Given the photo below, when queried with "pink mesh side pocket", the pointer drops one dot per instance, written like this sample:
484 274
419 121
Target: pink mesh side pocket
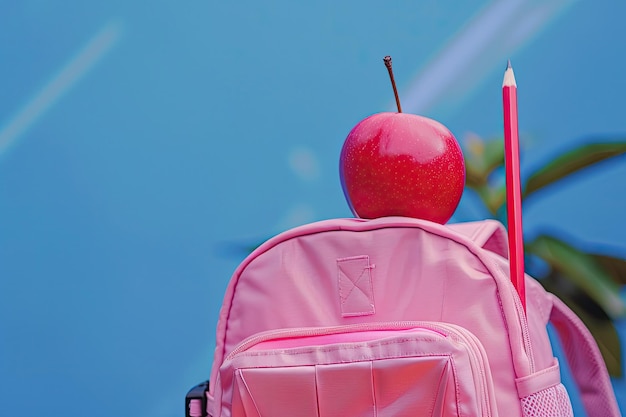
543 395
550 402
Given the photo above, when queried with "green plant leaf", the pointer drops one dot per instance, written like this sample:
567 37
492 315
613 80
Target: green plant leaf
473 175
583 270
494 155
481 158
602 328
572 161
491 197
615 267
498 197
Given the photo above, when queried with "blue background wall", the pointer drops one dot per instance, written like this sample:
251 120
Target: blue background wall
144 144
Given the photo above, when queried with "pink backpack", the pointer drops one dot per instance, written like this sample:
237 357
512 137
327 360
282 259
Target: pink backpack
393 317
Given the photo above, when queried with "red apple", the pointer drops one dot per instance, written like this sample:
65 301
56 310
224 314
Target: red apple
399 164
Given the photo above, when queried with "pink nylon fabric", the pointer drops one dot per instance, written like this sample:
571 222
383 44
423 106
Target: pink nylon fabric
381 373
421 271
586 362
488 234
540 381
416 270
345 390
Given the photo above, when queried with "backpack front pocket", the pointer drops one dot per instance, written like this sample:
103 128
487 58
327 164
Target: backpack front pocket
382 369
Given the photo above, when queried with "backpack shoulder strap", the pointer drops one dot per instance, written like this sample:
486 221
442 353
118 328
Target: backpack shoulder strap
585 362
581 351
488 234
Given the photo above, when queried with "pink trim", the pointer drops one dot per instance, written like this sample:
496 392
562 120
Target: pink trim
354 282
539 381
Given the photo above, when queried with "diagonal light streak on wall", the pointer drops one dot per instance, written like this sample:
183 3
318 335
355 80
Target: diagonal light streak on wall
485 43
66 78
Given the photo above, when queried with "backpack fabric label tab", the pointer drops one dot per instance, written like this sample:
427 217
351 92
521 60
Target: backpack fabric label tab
356 294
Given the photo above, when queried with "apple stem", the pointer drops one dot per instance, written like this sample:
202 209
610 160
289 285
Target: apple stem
387 60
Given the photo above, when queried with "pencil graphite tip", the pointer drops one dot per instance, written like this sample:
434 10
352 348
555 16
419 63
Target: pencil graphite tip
509 76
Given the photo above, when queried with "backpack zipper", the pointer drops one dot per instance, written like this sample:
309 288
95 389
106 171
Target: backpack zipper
523 321
320 331
476 347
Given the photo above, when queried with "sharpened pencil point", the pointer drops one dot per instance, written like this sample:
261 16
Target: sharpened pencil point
508 64
509 77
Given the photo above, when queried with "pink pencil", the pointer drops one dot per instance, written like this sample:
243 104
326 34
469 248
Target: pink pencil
513 183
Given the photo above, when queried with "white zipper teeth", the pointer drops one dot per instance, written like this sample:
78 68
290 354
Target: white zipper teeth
441 328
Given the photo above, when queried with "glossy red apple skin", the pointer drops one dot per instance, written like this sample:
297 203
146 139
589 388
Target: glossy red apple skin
401 164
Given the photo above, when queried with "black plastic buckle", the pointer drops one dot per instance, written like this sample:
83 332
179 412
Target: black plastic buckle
197 393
